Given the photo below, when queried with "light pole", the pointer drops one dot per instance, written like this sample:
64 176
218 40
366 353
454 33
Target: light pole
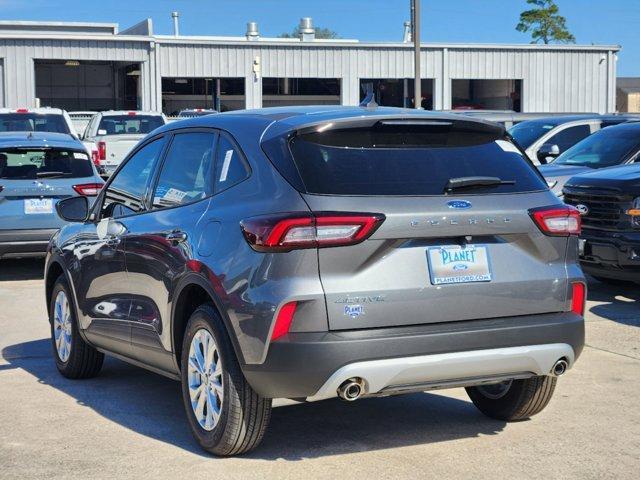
415 32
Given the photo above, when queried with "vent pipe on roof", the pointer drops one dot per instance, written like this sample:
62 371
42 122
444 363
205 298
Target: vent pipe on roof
176 27
406 37
252 31
307 32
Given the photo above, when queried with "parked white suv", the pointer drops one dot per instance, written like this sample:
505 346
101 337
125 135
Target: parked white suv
44 119
111 135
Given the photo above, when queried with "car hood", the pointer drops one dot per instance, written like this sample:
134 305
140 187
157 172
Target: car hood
625 177
549 171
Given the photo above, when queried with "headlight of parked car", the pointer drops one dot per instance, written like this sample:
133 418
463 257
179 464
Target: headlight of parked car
634 211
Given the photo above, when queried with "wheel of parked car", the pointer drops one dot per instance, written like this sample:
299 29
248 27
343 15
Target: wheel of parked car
514 399
226 415
74 357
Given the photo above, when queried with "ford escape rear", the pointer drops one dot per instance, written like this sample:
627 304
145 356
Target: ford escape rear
311 253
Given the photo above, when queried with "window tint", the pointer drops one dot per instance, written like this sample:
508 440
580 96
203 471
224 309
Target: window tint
605 148
407 160
568 137
230 166
130 124
526 133
186 173
126 192
49 163
33 122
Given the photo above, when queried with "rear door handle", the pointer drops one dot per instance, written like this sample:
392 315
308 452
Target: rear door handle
176 236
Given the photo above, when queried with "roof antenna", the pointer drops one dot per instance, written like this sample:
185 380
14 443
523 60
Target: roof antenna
370 98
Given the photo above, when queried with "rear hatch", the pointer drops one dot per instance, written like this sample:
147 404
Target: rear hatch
467 251
33 180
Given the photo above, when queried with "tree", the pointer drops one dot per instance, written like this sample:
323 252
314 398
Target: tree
320 33
545 23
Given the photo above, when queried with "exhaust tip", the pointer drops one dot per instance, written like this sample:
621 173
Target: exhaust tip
560 367
352 389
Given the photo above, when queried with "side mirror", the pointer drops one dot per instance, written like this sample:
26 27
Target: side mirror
74 209
548 151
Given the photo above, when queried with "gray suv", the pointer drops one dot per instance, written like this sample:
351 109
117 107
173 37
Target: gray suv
320 252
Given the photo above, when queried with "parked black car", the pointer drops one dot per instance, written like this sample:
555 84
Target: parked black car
609 202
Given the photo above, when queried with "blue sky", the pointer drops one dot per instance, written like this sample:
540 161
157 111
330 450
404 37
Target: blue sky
608 22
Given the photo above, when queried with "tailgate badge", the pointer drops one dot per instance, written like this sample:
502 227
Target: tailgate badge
353 311
459 204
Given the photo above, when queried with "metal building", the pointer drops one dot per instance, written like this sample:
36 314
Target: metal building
89 66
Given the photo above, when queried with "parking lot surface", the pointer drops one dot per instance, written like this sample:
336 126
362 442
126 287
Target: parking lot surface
128 422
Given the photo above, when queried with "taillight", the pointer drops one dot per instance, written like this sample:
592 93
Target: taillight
102 151
557 220
22 110
88 189
284 233
95 157
283 320
578 297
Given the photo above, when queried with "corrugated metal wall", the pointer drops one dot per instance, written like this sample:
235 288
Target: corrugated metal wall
554 79
19 56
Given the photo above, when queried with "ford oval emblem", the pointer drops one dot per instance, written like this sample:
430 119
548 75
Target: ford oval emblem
459 204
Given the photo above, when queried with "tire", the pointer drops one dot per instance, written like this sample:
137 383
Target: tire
79 359
243 415
519 400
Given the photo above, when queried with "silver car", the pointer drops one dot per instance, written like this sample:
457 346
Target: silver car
321 252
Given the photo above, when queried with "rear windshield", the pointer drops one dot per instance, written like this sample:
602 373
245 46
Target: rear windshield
33 122
605 148
408 160
525 133
26 164
129 124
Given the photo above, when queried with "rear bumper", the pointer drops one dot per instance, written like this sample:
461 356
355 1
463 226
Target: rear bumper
611 254
25 243
312 365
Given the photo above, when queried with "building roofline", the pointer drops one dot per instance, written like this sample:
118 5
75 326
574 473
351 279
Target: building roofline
30 23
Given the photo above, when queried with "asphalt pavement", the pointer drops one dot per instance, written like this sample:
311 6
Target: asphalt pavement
129 423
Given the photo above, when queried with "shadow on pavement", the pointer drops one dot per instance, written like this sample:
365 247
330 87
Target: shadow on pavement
151 405
21 269
620 303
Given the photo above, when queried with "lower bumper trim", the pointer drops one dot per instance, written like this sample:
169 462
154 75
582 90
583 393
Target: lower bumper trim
393 375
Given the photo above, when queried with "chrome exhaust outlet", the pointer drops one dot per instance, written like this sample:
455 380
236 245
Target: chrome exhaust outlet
350 390
559 367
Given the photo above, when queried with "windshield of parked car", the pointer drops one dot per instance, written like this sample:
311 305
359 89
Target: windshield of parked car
406 160
33 122
32 164
605 148
129 124
525 133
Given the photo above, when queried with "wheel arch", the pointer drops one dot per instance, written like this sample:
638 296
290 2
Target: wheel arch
193 291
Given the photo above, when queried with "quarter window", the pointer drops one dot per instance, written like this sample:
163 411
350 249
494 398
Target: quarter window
231 168
186 173
125 194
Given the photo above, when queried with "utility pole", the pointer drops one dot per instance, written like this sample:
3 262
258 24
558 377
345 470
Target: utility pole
415 32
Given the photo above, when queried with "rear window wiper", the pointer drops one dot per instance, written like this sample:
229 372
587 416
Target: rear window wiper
459 183
51 174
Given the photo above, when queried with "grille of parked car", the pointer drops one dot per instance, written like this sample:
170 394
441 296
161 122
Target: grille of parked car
605 210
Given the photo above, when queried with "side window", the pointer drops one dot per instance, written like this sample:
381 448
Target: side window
568 137
186 173
125 194
231 167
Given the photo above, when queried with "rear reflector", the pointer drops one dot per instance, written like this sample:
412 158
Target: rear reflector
88 189
283 320
288 232
557 220
578 298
